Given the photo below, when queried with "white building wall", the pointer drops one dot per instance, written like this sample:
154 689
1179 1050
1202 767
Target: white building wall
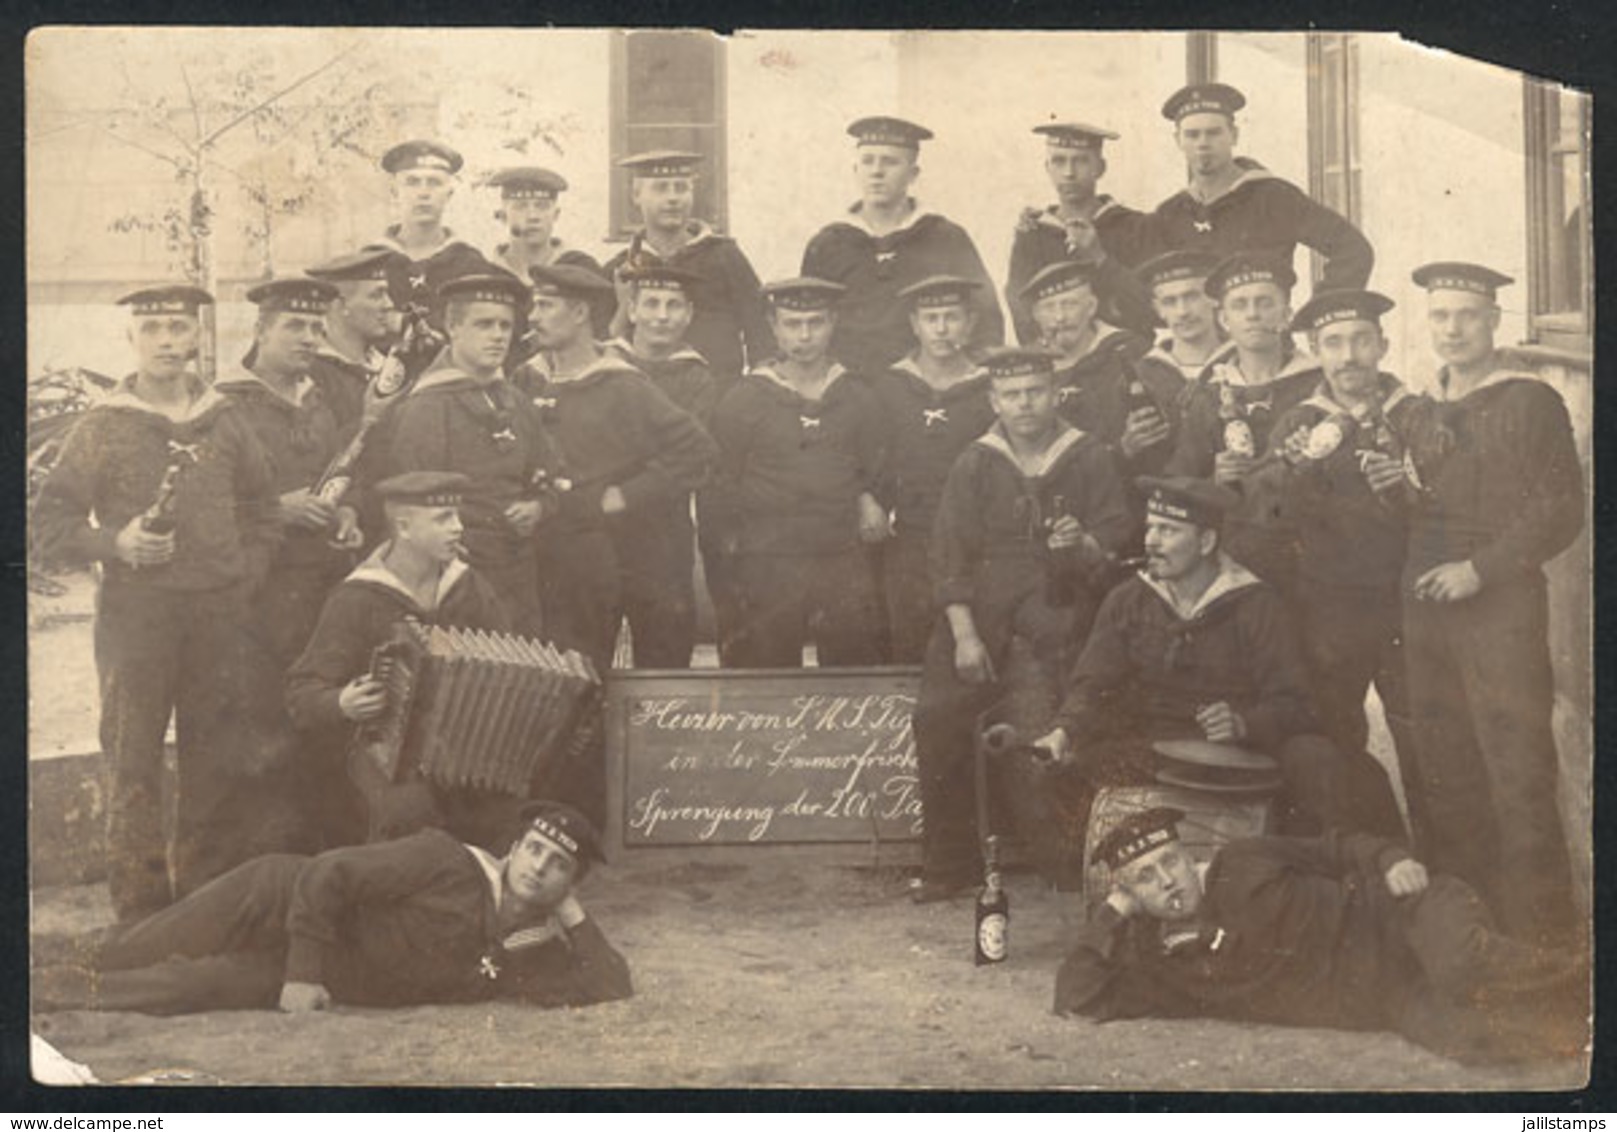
1441 142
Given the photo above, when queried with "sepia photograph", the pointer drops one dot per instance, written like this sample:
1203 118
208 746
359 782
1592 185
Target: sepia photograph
807 559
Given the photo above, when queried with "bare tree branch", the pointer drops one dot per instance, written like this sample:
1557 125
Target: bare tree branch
191 97
161 156
247 114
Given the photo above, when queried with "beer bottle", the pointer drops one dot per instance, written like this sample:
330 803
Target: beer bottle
1060 566
993 908
1139 397
392 377
158 519
1235 431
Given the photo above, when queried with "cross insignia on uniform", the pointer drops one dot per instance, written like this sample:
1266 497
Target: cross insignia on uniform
505 435
935 416
418 282
809 422
886 257
1202 225
545 402
191 452
488 968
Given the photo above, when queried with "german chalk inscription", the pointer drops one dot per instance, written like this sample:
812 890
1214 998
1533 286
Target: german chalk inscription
737 758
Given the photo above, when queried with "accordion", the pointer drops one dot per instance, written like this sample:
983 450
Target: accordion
468 708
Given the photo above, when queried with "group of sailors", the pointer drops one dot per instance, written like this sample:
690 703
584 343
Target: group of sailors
1196 525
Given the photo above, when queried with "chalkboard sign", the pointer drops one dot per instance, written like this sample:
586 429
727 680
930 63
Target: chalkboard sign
752 757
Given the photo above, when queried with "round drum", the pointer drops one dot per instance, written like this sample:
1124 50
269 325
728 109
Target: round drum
1211 820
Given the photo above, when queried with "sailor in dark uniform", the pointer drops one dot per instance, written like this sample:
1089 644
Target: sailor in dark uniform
1346 930
1082 225
1100 388
298 428
299 431
729 327
423 180
416 574
1230 410
620 549
887 242
164 486
463 416
1229 206
422 919
359 328
1509 498
1024 546
934 402
794 495
661 309
1177 285
1347 448
1194 646
529 211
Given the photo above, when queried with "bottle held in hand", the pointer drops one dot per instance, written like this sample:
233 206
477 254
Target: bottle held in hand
1139 398
1060 566
159 517
1235 431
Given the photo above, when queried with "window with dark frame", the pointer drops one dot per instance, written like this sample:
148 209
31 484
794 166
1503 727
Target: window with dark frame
1333 127
1559 255
668 93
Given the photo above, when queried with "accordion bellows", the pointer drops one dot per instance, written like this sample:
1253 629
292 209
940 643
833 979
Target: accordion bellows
469 708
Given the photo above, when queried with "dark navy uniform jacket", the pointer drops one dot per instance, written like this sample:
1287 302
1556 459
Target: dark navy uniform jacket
226 506
1510 496
415 921
1291 930
925 429
1266 214
873 323
791 469
1041 239
729 327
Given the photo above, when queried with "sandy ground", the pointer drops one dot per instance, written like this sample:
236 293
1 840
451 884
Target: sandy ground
776 967
756 967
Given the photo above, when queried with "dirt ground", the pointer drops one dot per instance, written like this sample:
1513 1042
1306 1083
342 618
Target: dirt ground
767 967
755 967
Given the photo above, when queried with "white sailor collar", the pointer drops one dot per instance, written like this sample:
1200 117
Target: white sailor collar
628 353
1050 214
1232 576
1495 377
245 380
444 372
768 372
995 440
1162 350
123 396
911 367
856 214
390 239
696 232
609 361
543 931
1246 177
375 571
1224 367
1392 392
